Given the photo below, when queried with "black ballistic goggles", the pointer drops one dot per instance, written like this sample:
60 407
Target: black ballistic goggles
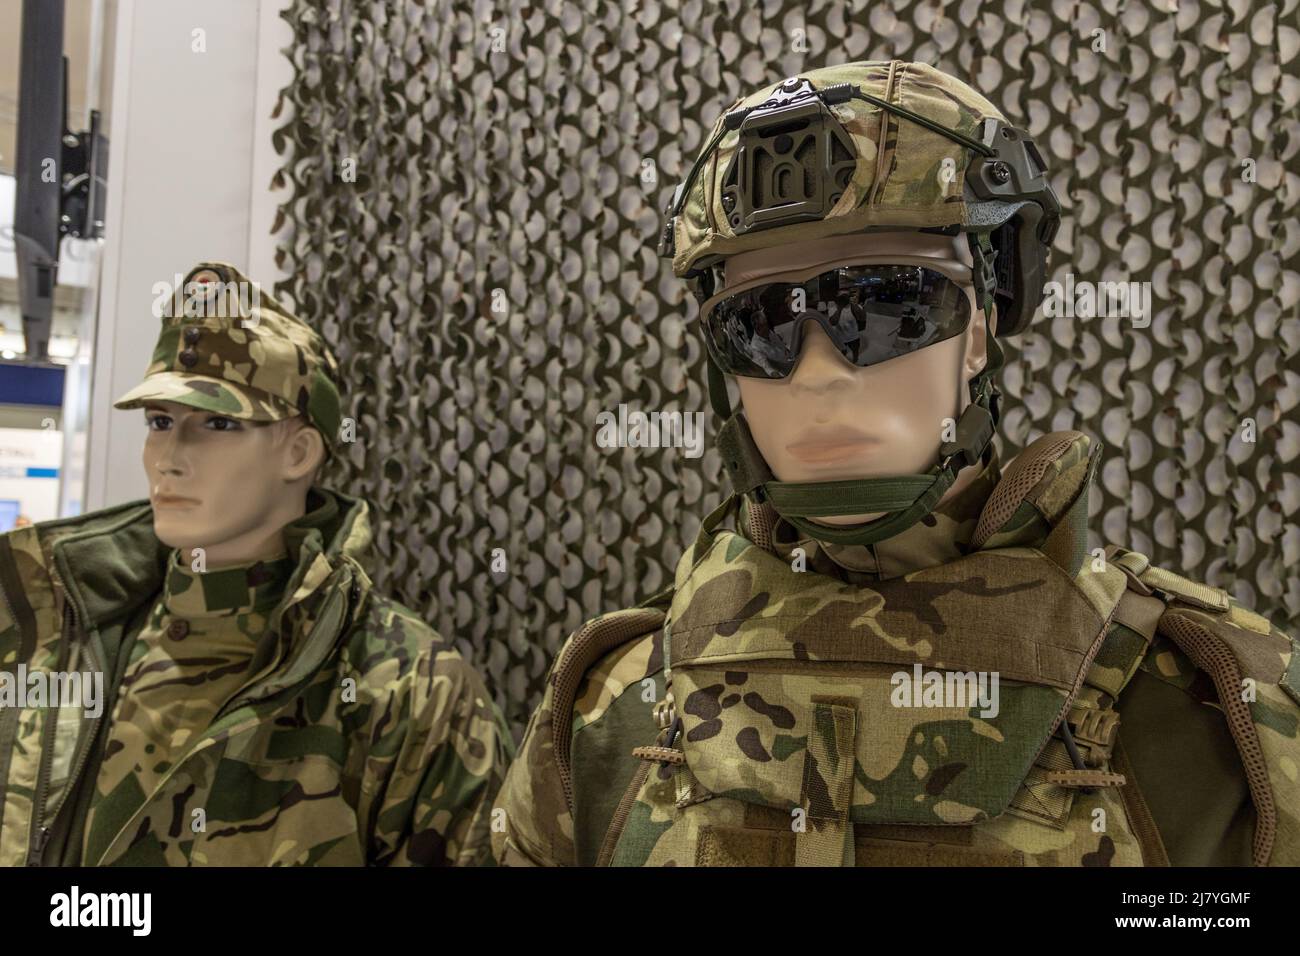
872 313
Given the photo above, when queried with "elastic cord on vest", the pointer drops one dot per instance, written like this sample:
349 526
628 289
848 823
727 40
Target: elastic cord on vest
903 500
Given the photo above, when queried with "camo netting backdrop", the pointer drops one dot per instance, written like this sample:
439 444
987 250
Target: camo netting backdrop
474 198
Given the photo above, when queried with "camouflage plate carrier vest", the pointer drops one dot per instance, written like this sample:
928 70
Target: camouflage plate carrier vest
781 739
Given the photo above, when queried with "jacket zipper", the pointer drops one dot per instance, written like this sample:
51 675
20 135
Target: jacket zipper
8 719
85 742
49 732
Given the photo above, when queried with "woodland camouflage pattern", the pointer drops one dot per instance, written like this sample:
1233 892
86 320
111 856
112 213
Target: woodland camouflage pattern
353 735
232 349
201 636
791 751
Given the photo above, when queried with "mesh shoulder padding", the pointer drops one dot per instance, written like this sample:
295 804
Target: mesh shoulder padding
1209 653
596 639
760 519
1018 479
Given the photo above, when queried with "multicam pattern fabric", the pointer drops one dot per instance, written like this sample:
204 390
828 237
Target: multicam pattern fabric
540 166
792 748
238 352
361 737
901 176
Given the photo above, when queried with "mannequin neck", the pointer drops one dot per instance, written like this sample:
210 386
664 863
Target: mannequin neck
264 542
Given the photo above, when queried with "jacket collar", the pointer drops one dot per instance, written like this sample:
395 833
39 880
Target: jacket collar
107 560
224 592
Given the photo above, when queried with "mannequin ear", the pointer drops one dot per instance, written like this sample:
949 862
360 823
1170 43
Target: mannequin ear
304 451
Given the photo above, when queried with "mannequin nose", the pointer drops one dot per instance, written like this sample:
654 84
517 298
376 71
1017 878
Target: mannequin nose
171 457
821 366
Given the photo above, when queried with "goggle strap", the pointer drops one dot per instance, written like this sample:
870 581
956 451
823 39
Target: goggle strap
717 389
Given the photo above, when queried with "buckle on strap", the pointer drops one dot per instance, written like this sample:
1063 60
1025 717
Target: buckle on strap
662 750
974 432
745 464
1146 579
1096 730
665 712
985 273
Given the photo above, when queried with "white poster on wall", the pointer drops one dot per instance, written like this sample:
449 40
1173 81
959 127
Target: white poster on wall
29 475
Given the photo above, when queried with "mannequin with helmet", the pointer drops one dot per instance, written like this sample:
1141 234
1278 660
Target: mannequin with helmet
884 648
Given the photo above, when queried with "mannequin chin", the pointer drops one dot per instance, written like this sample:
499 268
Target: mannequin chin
226 485
830 420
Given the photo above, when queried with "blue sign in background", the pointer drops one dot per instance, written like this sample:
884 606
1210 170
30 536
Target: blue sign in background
31 385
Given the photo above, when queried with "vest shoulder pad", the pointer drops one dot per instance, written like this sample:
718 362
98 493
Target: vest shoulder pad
595 640
1037 493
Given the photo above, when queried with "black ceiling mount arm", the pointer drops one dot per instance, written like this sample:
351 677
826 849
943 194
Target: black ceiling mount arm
37 199
60 174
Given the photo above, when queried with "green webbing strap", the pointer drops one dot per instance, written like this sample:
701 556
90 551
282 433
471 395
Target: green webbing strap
826 796
711 522
745 464
891 524
717 388
828 498
987 276
905 499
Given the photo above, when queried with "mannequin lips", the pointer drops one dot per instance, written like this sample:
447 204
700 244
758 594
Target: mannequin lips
830 444
173 501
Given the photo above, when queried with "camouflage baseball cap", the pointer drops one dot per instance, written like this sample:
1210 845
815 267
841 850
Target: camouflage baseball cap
227 346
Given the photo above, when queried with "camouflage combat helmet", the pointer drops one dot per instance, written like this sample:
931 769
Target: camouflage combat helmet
227 346
866 147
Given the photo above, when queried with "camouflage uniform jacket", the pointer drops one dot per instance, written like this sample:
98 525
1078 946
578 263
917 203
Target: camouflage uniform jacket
753 716
362 738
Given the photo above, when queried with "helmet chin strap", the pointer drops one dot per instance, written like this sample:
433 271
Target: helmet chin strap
903 499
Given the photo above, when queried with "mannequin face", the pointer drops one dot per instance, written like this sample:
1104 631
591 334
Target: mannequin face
226 485
829 419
